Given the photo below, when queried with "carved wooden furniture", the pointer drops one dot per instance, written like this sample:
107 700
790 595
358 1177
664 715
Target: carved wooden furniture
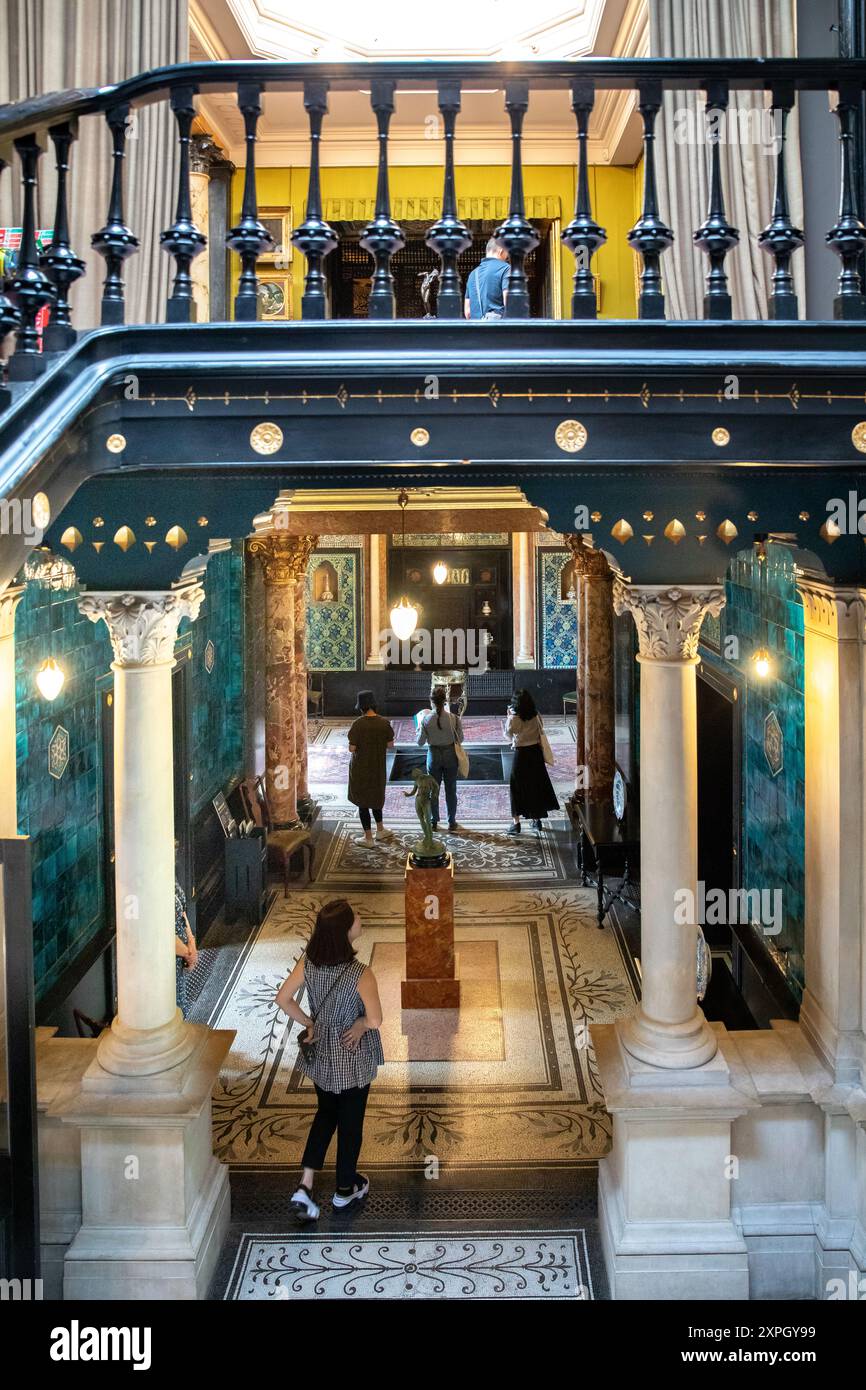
282 845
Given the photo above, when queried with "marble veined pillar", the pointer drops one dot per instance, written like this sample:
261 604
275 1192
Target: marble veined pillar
9 600
595 685
305 547
524 608
148 1035
669 1029
278 557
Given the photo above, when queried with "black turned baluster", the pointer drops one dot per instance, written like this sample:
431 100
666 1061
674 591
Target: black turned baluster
29 286
848 236
9 321
314 237
780 238
382 237
182 239
115 242
516 234
249 238
583 235
449 236
59 261
716 236
650 236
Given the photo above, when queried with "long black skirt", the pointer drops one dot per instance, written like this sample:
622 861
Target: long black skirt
532 791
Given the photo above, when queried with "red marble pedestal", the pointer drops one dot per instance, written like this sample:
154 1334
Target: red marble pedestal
431 976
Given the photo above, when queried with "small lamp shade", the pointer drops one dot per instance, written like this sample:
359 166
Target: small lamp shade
49 679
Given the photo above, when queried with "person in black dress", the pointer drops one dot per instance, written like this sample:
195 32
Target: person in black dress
532 793
369 738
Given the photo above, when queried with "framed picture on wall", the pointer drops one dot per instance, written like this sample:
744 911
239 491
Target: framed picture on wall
278 222
226 818
275 294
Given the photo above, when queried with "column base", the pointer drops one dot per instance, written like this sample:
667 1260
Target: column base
140 1052
664 1190
155 1200
673 1047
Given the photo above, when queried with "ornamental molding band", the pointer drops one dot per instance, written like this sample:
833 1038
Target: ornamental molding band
668 619
143 627
833 611
284 559
9 600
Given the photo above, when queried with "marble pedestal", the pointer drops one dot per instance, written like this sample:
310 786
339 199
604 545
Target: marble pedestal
60 1066
431 975
665 1188
155 1200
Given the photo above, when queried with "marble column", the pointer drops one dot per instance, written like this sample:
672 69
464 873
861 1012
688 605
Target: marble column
202 147
148 1035
522 544
669 1029
9 600
377 570
833 1011
305 547
595 687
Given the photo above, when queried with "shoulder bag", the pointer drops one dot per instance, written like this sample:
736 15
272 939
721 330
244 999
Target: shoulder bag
462 756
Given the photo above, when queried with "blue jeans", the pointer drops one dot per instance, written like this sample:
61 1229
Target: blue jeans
442 764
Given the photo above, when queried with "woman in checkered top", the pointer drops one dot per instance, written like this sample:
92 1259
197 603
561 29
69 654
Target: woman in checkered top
343 1023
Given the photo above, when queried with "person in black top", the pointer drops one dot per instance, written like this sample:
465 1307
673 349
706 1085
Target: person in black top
487 286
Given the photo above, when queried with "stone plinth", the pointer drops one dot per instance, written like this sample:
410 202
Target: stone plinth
431 975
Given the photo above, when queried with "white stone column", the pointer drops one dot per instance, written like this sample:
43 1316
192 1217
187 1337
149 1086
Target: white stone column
833 1011
378 589
148 1035
523 553
669 1029
9 600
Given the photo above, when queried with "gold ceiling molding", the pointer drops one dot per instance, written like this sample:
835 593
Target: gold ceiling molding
429 209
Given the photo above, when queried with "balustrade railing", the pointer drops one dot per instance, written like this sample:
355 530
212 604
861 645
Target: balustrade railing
45 279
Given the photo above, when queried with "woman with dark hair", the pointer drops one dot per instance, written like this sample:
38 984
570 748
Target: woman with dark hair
532 791
369 737
440 730
340 1050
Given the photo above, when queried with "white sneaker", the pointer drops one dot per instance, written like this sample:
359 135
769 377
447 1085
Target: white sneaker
303 1206
362 840
356 1195
383 834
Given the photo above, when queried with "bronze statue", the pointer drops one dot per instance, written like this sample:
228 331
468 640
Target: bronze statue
425 789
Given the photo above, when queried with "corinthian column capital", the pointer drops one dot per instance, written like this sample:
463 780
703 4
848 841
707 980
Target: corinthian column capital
9 600
668 618
283 558
143 627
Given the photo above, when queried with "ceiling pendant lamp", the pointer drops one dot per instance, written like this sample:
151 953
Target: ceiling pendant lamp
50 679
440 571
404 615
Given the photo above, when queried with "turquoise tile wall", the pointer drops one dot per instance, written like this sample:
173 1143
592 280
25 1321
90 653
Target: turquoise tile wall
333 628
769 613
558 616
64 816
217 696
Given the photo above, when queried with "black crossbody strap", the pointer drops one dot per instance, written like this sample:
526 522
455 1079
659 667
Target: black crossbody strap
329 990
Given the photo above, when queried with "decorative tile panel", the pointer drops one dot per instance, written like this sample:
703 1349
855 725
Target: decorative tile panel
558 616
333 628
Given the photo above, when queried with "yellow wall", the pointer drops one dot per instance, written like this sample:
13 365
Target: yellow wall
614 190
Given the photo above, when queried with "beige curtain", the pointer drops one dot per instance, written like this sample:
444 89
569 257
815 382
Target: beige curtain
49 45
723 29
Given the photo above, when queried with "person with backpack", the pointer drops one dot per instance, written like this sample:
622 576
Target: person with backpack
442 731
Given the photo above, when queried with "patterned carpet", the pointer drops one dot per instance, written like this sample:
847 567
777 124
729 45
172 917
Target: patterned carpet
485 1124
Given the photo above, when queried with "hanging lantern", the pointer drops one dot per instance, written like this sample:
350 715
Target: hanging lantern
440 571
404 615
50 679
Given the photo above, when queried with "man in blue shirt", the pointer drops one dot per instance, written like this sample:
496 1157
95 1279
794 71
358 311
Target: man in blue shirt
487 286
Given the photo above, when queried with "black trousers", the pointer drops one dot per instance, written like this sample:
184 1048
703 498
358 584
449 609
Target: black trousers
343 1112
364 813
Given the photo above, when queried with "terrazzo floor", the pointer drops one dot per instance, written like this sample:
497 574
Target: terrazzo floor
484 1125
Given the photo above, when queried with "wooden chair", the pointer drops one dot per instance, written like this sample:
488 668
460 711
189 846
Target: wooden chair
283 845
316 696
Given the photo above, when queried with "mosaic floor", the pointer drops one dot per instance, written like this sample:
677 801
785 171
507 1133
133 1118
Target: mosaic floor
484 1126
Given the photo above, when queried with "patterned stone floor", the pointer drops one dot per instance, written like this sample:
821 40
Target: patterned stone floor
484 1127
